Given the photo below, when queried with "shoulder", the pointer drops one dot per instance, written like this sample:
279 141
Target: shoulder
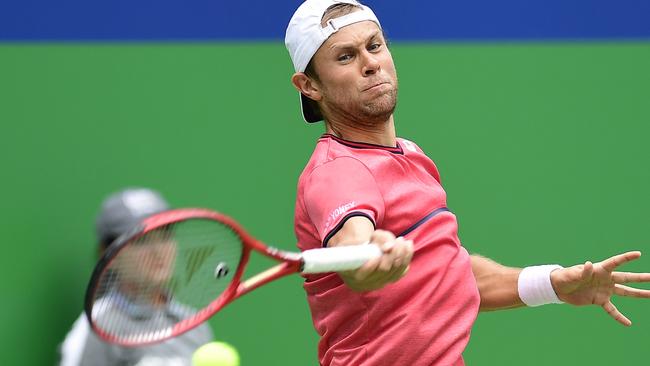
336 171
341 164
76 337
418 157
331 158
75 342
327 149
409 145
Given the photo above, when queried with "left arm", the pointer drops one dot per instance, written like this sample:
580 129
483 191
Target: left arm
496 283
588 284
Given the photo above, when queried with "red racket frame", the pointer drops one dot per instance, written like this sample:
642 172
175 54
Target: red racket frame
290 263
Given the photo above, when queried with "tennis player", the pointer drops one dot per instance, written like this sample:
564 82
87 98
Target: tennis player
119 212
417 303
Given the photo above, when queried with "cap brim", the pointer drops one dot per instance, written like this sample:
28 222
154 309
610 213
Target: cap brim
310 111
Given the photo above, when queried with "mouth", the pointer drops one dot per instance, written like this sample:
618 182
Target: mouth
375 86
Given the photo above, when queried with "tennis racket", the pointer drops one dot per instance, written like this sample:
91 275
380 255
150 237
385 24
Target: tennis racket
179 267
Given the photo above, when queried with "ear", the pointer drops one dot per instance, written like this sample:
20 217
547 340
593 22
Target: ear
307 86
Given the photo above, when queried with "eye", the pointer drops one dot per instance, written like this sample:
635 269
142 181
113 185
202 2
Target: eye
374 46
344 57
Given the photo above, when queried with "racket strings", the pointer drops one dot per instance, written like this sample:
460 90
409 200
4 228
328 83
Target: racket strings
165 277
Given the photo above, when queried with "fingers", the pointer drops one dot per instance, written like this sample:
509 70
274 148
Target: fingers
614 313
395 259
587 270
397 251
402 252
384 239
366 270
629 277
391 266
611 263
622 290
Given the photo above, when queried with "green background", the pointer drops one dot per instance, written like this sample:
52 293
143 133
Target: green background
543 151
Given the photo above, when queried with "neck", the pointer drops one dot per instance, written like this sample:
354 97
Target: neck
382 133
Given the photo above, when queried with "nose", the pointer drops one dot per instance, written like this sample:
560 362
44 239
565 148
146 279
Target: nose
370 64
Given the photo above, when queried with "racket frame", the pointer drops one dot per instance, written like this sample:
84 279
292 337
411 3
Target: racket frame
290 263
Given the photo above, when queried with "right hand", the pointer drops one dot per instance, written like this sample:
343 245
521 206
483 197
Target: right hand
378 272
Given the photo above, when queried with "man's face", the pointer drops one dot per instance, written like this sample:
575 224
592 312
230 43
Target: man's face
149 262
357 77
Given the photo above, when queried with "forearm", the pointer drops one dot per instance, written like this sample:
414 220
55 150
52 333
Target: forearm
497 284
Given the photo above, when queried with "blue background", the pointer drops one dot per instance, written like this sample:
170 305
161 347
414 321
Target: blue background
149 20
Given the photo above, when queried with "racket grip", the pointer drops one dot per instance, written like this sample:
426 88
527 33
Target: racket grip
336 259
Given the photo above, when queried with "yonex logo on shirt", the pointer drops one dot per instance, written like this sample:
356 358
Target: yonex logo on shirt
338 212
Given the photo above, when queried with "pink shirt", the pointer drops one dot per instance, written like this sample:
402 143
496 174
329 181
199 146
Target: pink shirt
425 318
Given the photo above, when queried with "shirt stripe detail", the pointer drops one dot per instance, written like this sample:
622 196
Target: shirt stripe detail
342 222
424 219
364 145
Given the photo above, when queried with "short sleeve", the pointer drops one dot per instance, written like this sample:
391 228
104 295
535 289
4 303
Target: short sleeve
338 190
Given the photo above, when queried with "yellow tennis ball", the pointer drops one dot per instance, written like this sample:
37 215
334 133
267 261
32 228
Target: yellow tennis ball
215 354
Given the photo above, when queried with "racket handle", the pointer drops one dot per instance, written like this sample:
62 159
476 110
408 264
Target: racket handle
336 259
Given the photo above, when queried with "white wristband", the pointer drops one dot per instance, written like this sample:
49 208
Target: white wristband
535 286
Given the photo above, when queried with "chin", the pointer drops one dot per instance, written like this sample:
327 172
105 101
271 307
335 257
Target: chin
381 108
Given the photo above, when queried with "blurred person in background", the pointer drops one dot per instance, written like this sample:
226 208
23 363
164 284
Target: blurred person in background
119 212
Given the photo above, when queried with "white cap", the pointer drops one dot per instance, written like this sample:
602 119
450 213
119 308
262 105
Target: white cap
124 209
305 35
